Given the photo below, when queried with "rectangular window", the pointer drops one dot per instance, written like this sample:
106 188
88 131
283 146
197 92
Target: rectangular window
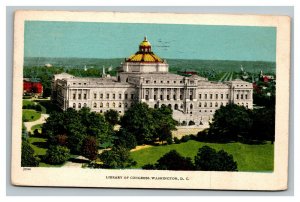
161 97
216 96
126 96
221 96
101 95
205 96
147 97
200 96
74 96
120 96
114 96
174 97
107 96
79 96
132 96
84 96
211 96
168 97
246 96
242 96
181 97
237 96
155 97
227 96
95 95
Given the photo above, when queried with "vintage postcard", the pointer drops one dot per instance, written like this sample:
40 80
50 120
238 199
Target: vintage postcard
150 100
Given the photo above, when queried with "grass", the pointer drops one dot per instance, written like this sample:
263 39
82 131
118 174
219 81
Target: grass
38 127
27 102
248 157
30 115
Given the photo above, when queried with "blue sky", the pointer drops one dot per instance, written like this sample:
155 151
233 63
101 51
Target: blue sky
120 40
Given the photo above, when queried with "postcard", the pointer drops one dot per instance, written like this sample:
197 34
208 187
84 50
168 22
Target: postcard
150 100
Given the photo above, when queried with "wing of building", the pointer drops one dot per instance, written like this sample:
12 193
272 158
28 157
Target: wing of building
145 77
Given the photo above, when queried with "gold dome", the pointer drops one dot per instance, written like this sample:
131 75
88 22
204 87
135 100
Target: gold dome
144 54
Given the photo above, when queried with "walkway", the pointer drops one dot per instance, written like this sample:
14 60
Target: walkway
41 120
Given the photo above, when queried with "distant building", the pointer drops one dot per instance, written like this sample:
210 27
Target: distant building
266 78
145 77
32 86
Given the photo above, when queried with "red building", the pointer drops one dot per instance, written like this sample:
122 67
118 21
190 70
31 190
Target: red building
32 86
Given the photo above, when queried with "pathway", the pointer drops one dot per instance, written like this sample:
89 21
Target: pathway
41 120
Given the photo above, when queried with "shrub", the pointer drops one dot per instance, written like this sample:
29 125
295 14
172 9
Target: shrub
176 140
117 157
57 155
185 138
169 140
27 158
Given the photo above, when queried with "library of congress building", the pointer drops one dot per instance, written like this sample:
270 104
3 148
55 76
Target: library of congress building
145 77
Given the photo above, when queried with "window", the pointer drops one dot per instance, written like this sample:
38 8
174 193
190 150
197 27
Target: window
147 97
74 83
205 104
246 96
79 105
126 96
216 96
147 81
120 104
242 96
114 96
101 104
132 96
74 105
84 104
95 105
107 96
79 83
114 105
74 96
107 104
168 81
205 96
95 95
101 95
120 96
79 96
155 97
168 97
161 81
221 96
199 104
84 96
126 105
211 96
174 81
154 81
181 81
161 97
216 105
84 84
181 97
210 104
227 96
237 96
174 97
200 96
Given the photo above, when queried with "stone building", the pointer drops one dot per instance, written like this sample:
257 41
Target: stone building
145 77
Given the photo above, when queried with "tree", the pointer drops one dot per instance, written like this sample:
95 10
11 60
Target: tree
112 117
138 120
89 148
172 161
209 160
117 157
125 139
27 158
230 122
57 155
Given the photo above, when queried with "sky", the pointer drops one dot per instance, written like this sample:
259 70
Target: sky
120 40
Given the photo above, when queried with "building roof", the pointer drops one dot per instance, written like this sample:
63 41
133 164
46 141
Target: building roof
144 54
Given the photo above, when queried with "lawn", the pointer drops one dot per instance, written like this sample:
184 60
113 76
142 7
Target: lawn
27 102
30 115
38 127
248 157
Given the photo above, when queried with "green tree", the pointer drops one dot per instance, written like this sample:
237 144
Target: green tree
230 122
90 148
57 155
209 159
172 161
117 157
27 158
125 139
112 117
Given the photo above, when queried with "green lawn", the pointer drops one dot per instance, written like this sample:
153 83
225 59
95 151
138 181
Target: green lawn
248 157
30 115
38 126
27 102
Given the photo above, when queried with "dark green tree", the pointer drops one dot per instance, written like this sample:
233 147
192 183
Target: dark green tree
27 158
230 122
125 139
112 117
172 161
117 157
57 155
208 159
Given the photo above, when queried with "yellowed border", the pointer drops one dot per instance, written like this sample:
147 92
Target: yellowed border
75 177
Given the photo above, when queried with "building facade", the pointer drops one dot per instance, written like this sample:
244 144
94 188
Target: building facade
32 86
145 77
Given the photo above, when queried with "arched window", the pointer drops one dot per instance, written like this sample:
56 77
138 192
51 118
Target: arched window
170 106
114 105
120 104
176 106
74 105
101 104
79 105
95 105
191 106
